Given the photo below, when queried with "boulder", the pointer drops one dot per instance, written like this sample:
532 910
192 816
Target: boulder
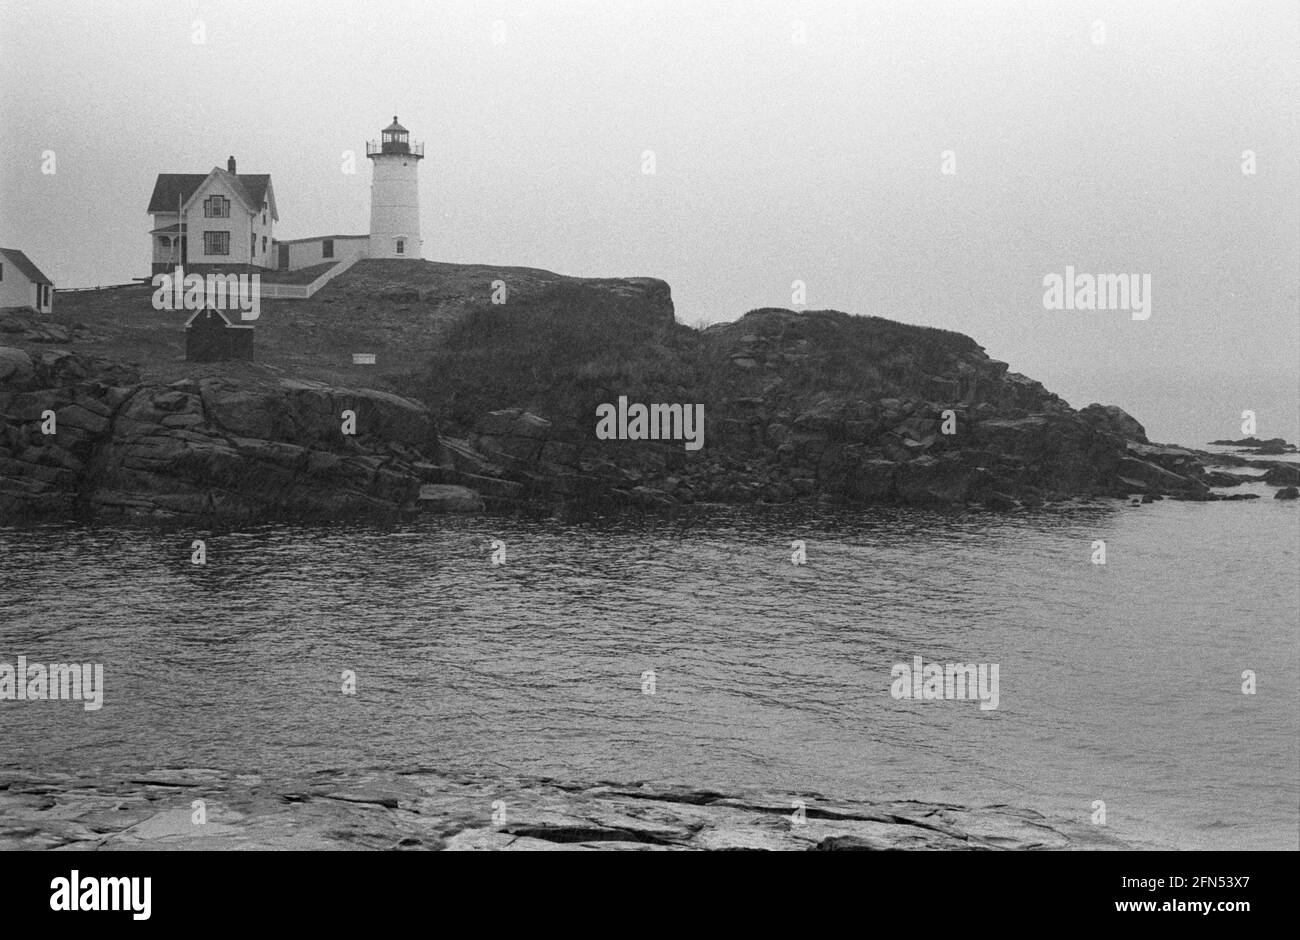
1283 475
1155 478
47 333
444 497
515 436
514 422
1222 478
1114 420
825 417
76 416
16 368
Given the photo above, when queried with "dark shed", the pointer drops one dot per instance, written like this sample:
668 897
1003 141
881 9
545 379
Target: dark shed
210 337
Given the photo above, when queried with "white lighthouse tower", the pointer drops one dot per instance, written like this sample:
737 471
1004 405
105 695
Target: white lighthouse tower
395 194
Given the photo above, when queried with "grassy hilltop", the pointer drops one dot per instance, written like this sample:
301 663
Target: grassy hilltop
396 309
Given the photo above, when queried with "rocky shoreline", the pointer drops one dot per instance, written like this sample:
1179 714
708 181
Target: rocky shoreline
799 406
422 810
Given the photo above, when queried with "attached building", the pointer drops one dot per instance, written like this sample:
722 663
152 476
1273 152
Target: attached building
305 252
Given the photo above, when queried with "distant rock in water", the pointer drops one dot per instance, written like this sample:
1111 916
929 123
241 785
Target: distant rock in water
1272 446
1283 474
1287 492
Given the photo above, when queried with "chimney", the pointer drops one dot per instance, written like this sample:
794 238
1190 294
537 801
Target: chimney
230 165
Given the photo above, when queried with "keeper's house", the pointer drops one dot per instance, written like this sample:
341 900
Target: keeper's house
220 221
22 284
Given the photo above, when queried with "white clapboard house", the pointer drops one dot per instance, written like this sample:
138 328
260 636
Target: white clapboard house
216 221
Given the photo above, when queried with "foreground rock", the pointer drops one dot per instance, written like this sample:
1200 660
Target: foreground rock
209 447
429 811
22 324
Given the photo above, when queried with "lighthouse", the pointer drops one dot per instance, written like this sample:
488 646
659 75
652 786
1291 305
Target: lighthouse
395 194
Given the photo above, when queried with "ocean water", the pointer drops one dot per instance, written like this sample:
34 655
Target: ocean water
1119 682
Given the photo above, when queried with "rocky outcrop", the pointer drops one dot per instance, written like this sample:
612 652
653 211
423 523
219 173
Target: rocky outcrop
1287 492
426 811
1158 468
206 447
813 405
816 405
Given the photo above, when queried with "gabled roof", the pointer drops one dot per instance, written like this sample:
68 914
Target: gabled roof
25 266
224 319
252 187
236 187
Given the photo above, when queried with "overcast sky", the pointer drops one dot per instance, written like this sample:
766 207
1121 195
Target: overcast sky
775 160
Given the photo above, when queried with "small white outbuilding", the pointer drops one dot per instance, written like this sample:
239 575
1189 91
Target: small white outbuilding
22 284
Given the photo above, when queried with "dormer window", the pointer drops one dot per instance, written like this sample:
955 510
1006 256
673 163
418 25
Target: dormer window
216 207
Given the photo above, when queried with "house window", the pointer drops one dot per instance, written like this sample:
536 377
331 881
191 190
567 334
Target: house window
2 272
252 244
216 207
216 243
401 247
263 244
263 215
327 248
